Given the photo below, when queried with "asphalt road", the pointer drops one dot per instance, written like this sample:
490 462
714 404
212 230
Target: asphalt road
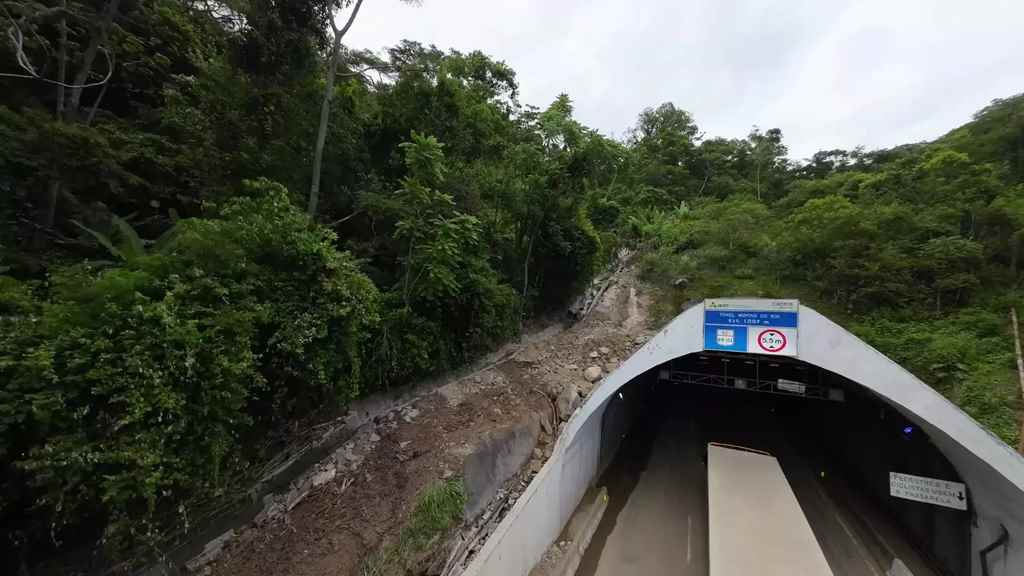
659 525
662 529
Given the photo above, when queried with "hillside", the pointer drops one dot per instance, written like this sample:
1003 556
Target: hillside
995 135
184 288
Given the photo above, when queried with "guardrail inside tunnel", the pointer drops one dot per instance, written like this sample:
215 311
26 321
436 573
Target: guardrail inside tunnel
888 472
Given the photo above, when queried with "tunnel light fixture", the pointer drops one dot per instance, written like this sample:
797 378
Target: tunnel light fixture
620 396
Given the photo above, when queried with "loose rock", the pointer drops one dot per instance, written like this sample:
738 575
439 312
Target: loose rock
592 374
604 350
585 388
567 401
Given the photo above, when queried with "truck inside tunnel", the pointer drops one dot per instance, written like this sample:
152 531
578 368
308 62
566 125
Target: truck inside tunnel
835 440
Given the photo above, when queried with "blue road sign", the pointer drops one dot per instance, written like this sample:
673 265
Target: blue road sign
751 325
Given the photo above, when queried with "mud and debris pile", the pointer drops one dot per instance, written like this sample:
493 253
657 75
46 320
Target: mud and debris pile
358 498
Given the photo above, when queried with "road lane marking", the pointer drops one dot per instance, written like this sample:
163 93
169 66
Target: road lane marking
862 551
689 530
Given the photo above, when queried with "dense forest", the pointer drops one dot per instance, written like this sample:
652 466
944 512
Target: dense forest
184 271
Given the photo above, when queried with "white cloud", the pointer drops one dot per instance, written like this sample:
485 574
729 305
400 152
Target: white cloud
829 73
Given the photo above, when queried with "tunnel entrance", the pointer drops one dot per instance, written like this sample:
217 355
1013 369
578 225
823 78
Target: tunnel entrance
835 440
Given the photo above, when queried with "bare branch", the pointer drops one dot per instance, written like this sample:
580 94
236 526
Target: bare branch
382 69
351 18
33 76
17 39
346 218
96 104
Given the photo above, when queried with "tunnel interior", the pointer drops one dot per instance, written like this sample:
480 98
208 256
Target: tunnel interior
836 441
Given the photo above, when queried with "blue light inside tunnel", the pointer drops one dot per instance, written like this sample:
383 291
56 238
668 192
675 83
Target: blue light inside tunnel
908 430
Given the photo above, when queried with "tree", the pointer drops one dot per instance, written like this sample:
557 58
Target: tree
325 104
82 32
333 57
1005 217
951 261
665 138
769 153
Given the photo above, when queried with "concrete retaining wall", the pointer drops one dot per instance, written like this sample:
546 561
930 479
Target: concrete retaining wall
993 471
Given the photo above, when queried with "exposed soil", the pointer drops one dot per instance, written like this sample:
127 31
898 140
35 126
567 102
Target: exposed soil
353 512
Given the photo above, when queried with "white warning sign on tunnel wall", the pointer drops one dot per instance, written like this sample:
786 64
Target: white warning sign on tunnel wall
928 490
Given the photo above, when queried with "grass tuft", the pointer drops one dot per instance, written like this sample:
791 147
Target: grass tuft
438 509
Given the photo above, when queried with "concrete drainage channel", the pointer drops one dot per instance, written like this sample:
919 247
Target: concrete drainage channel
563 558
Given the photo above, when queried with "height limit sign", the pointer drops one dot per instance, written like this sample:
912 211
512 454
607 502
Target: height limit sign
751 325
771 341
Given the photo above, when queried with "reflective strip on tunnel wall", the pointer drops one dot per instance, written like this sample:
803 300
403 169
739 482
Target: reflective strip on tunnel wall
993 472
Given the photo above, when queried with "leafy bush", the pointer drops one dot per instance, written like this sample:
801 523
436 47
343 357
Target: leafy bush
145 380
966 356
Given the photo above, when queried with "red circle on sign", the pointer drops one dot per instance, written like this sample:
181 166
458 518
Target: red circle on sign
781 336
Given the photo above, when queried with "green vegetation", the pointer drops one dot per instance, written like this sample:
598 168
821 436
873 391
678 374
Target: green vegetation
438 509
179 284
916 249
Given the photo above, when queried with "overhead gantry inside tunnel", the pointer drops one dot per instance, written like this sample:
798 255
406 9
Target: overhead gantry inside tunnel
891 477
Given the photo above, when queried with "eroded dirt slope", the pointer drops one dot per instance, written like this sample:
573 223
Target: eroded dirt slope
366 494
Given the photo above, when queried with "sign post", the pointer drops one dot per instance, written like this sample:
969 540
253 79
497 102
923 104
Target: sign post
751 325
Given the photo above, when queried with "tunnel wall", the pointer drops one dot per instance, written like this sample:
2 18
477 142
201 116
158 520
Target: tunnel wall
993 471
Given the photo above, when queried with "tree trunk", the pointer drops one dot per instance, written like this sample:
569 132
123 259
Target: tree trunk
1020 372
1016 240
96 104
68 109
48 204
757 180
46 215
325 110
99 35
62 61
526 280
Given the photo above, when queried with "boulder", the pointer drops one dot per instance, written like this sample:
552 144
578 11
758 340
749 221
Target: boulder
593 373
567 402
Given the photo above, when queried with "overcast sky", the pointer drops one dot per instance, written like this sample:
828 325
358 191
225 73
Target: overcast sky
829 73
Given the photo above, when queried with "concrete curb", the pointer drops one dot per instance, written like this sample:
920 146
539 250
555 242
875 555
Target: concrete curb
578 533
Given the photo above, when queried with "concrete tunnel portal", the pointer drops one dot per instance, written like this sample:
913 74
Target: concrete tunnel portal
838 415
